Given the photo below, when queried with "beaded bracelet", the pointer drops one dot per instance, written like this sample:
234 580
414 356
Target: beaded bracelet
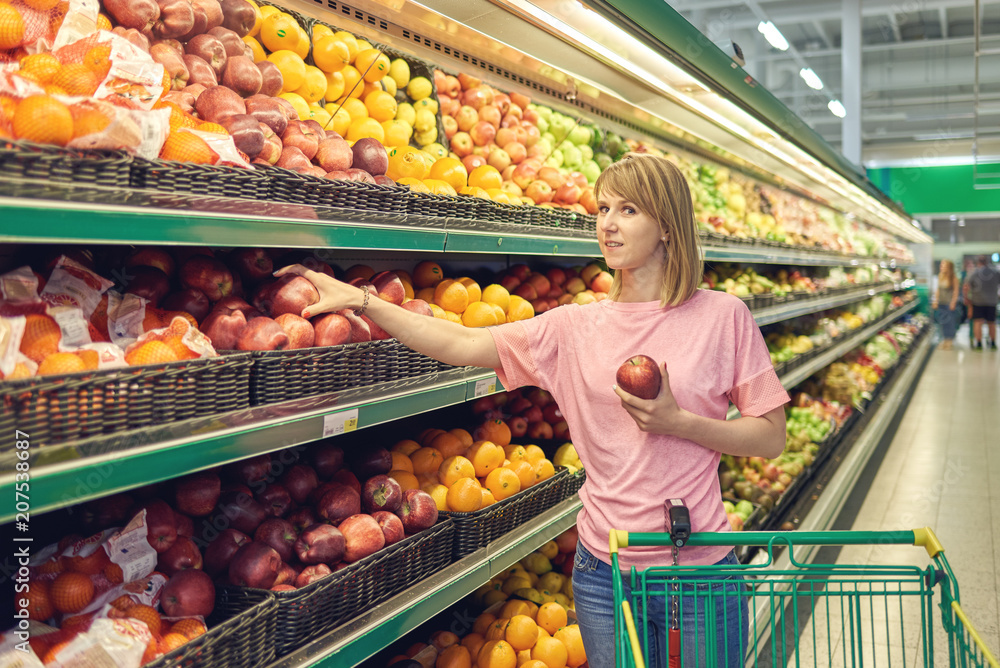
364 304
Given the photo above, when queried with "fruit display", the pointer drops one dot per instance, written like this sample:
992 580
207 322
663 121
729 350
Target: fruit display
528 412
545 575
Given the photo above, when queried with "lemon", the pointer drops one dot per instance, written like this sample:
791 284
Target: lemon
436 151
350 40
365 127
426 138
390 85
334 85
427 103
399 71
356 108
314 86
424 120
418 88
406 113
320 30
397 133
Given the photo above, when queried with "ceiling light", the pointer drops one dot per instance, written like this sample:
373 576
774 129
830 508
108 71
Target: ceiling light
811 78
836 108
772 35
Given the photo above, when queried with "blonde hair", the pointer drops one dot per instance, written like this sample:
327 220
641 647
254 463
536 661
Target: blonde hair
946 274
658 188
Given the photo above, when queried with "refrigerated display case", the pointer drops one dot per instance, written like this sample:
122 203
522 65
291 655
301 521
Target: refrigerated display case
636 70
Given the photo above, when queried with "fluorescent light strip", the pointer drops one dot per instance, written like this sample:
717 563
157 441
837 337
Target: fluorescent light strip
811 78
836 108
772 35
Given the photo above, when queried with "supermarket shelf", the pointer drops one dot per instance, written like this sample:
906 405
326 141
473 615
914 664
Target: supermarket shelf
64 475
780 312
364 636
771 255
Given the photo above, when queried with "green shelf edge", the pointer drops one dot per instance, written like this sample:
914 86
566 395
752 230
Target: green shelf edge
72 481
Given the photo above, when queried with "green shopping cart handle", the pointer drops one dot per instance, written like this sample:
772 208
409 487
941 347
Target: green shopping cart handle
923 537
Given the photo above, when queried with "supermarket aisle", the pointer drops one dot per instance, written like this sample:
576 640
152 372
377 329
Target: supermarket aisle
941 470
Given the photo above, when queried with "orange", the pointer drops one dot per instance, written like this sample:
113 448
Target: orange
544 470
372 65
533 454
479 314
485 457
298 102
498 629
519 309
41 337
464 496
41 5
404 162
502 483
428 435
365 128
522 632
353 84
339 121
439 493
524 471
451 296
514 452
88 122
151 352
334 85
171 641
406 447
71 592
401 462
355 107
551 617
493 430
462 435
91 360
147 614
452 316
330 54
397 133
475 292
406 479
571 638
279 31
76 79
483 622
60 363
497 295
103 22
39 605
52 655
497 654
381 106
451 171
551 652
42 118
313 86
187 147
427 294
98 60
516 606
189 628
426 460
454 656
258 51
292 67
475 191
532 663
454 468
11 27
474 642
302 45
427 274
115 575
180 349
92 564
488 499
41 66
448 445
485 177
443 639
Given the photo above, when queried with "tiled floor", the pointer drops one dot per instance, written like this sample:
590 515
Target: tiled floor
942 470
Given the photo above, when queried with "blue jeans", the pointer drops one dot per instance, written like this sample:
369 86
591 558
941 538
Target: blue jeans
728 612
948 319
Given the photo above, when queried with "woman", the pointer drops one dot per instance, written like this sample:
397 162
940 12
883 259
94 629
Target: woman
637 452
945 303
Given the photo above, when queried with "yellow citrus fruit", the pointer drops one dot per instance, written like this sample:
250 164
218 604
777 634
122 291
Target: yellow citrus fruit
473 191
418 186
292 67
406 113
352 81
255 30
399 70
334 85
279 31
389 84
363 45
403 162
451 171
428 103
439 187
498 295
424 120
485 177
418 88
302 46
44 120
381 106
397 133
372 64
340 120
365 127
314 86
479 314
439 493
436 151
330 54
475 292
355 107
267 10
258 51
319 114
301 106
427 137
451 296
320 31
350 40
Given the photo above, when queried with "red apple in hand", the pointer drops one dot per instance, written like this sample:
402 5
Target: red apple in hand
639 376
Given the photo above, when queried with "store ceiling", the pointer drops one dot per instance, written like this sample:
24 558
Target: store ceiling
917 69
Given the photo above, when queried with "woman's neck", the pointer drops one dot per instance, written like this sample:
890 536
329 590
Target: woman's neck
643 284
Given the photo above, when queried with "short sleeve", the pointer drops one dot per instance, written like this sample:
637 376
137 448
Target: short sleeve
528 349
756 389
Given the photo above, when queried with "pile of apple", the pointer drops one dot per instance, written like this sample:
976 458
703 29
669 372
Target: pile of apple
484 126
556 286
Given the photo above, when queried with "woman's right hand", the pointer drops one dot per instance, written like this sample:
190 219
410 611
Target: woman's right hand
334 295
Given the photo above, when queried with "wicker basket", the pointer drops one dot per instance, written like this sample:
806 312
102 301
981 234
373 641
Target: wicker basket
189 177
285 185
444 206
42 163
241 633
56 409
291 374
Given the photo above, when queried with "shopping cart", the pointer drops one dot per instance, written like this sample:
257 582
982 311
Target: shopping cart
800 614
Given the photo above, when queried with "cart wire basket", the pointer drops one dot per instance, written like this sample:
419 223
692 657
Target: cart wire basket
819 614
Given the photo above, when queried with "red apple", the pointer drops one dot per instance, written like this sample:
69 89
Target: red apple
419 306
555 178
320 543
300 331
334 154
467 81
161 530
252 264
489 113
147 282
302 517
552 414
360 331
208 275
291 294
279 534
516 150
275 499
518 426
532 413
249 471
560 431
220 551
368 462
539 431
197 494
602 282
188 593
312 573
152 257
525 173
338 503
362 536
286 576
347 477
190 301
639 375
332 329
302 137
389 287
262 334
461 144
450 125
327 459
380 492
471 161
255 565
418 511
482 133
300 480
241 511
541 283
183 554
391 525
478 97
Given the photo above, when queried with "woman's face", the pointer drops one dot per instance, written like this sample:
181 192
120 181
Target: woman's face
629 239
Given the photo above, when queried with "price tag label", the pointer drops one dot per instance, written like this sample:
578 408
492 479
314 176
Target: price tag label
340 423
486 386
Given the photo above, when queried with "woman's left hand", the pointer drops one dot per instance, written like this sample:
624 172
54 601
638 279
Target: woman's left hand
660 415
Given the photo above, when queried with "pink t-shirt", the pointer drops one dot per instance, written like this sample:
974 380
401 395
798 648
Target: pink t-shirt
714 353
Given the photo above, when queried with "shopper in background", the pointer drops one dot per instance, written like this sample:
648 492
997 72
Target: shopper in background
982 288
945 303
637 452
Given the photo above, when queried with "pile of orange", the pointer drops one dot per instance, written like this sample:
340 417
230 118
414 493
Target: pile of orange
465 472
463 301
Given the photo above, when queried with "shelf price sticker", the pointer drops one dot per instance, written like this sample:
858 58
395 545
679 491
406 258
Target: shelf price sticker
343 422
485 386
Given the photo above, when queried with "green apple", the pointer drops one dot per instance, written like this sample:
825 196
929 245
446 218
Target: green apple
542 124
603 160
572 159
615 144
545 146
555 159
591 170
586 152
581 134
549 137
